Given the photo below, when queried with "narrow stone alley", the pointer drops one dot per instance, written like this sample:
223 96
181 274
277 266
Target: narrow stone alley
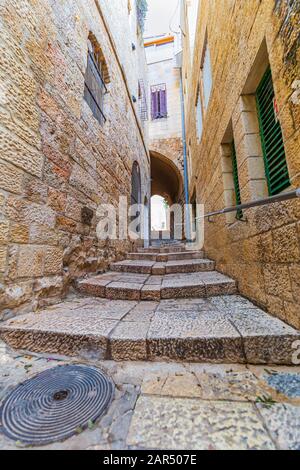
149 225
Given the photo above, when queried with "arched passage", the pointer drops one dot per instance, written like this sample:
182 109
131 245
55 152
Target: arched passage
166 179
167 182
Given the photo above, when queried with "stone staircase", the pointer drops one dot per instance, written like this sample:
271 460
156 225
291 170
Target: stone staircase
161 303
159 273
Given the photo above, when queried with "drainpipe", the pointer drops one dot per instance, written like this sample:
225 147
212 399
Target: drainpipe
186 175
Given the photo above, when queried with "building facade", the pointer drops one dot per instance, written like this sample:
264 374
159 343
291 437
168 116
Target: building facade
242 70
165 126
73 127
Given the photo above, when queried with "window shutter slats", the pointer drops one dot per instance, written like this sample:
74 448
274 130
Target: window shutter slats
239 214
154 104
163 103
271 137
159 101
94 86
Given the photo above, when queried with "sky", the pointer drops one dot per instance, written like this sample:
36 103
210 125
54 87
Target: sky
159 14
158 213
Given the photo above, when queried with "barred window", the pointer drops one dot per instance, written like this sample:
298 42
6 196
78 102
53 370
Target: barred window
159 101
96 80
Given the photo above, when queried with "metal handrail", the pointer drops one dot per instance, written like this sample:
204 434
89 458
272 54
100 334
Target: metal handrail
260 202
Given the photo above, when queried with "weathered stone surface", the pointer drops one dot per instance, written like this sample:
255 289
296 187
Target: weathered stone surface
197 329
195 424
56 158
210 335
149 267
179 384
49 287
151 292
31 261
165 257
128 341
142 312
159 269
285 383
106 309
11 178
128 286
15 295
142 267
4 231
53 260
283 421
123 290
58 333
189 266
265 338
94 286
19 233
228 382
3 258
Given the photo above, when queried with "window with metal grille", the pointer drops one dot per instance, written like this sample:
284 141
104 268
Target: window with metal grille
96 77
143 106
159 101
271 137
199 118
235 175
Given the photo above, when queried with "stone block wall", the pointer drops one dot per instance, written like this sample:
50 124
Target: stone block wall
171 148
262 251
55 158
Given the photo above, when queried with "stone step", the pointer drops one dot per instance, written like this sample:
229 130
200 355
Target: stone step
169 267
162 249
164 257
127 286
227 329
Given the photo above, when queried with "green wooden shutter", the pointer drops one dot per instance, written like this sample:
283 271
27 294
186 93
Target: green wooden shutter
271 136
237 191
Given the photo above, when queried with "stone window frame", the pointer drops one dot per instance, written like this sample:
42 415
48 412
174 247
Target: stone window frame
229 192
200 86
205 53
199 107
246 129
97 100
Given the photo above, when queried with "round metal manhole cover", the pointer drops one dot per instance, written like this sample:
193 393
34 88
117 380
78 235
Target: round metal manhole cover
55 404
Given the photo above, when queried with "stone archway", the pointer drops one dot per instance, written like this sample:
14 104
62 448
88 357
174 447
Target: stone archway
167 182
166 178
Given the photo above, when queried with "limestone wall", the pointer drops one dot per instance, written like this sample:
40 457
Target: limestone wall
55 158
262 252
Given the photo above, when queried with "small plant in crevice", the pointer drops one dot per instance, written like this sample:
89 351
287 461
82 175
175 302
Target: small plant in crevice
265 400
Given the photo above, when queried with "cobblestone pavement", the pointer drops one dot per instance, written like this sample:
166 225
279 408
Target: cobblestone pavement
179 406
